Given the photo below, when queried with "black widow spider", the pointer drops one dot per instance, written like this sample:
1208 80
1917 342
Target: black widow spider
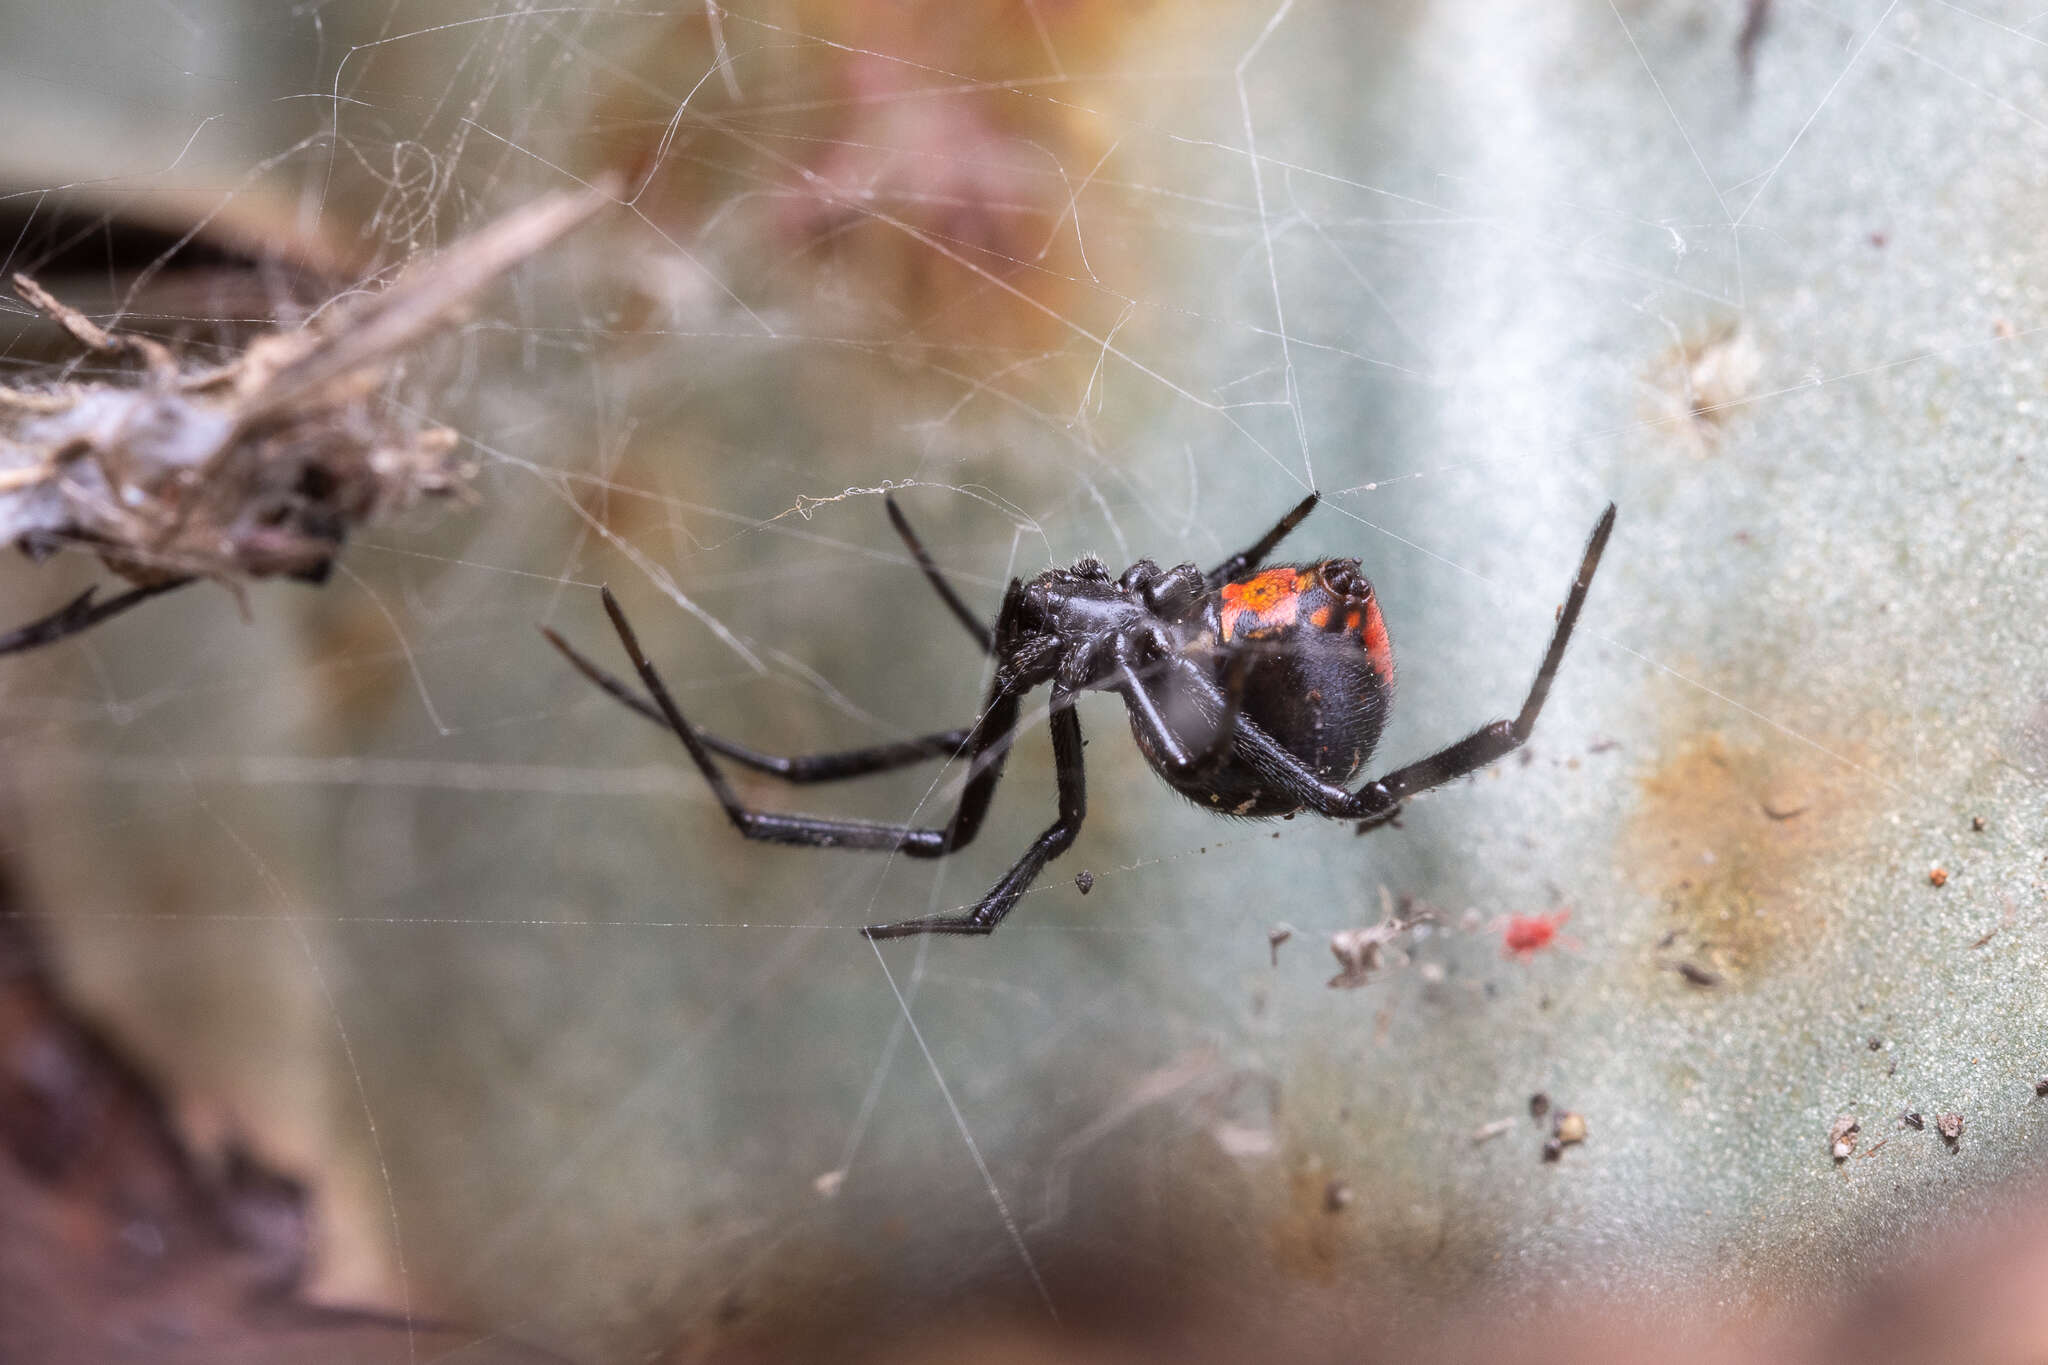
1251 692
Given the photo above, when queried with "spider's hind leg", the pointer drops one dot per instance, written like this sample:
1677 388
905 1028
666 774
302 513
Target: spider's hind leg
988 744
798 768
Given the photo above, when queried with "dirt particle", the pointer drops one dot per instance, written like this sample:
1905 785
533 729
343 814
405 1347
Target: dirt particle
1842 1137
1784 797
1705 378
2041 1085
1276 936
1568 1131
1911 1118
1539 1105
1950 1126
1084 881
1977 823
1698 975
2003 329
1876 1044
1337 1197
1487 1132
1358 951
1938 875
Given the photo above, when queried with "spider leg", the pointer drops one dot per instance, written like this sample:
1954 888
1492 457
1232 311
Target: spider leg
1380 801
801 768
989 733
953 600
80 614
1174 756
1003 896
1243 560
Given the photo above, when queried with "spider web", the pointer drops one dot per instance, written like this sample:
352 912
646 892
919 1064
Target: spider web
376 875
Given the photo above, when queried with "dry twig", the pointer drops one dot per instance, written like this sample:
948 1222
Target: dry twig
254 469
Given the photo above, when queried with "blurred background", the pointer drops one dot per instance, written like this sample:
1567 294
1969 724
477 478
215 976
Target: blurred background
381 991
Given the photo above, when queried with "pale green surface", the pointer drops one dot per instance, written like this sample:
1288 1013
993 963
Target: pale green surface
594 1134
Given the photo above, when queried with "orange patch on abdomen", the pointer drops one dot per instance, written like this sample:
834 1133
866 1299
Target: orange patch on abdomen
1272 599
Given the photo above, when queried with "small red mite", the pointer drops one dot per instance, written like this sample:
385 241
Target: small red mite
1527 935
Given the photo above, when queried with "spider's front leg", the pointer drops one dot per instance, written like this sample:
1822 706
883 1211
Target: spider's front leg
1254 555
954 602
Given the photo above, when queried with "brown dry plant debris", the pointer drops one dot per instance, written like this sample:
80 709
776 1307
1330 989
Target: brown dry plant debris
253 469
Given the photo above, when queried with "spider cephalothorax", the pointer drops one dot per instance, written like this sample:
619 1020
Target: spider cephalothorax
1252 692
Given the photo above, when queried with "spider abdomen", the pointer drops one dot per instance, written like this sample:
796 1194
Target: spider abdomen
1319 680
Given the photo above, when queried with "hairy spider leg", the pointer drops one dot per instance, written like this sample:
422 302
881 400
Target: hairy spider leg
953 600
799 768
1246 560
80 614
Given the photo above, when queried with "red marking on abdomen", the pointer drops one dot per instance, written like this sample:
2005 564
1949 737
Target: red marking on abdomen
1378 647
1272 599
